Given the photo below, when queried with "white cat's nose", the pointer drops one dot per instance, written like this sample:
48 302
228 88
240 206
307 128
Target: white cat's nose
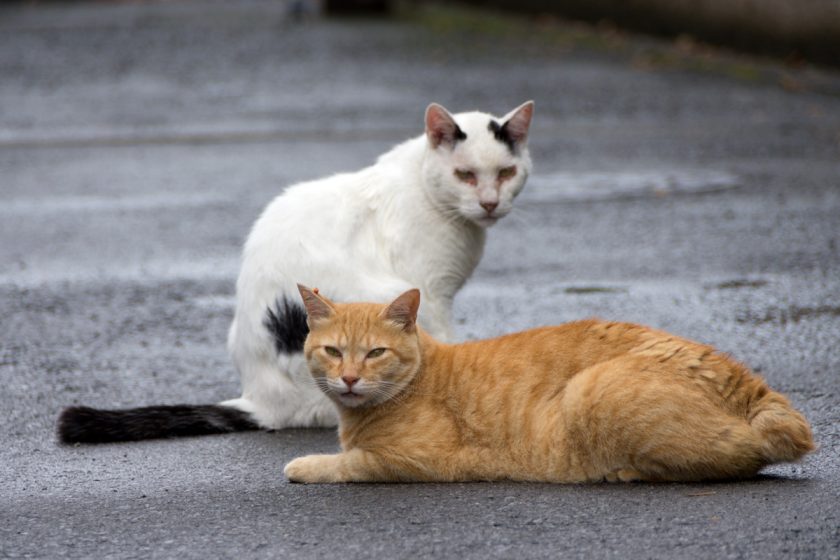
489 206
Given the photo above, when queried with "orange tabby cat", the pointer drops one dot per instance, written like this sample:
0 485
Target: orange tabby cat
581 402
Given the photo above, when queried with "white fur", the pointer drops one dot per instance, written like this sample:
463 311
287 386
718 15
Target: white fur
404 222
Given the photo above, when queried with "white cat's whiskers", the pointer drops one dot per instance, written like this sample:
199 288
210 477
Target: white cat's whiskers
450 215
520 216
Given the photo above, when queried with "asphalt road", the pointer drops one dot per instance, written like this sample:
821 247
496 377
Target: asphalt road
694 192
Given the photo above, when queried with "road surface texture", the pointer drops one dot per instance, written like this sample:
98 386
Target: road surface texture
693 191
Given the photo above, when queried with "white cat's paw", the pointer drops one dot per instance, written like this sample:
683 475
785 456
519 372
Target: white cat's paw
312 469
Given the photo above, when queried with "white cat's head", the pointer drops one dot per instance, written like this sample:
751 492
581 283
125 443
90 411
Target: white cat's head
476 163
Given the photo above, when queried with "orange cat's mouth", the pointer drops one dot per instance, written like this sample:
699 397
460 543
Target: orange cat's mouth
351 399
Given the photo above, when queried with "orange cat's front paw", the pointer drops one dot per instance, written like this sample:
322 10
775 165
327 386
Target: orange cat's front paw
312 469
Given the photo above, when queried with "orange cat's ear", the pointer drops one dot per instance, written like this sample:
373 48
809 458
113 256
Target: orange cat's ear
317 306
403 310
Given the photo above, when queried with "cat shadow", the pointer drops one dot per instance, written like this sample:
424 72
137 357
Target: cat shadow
758 480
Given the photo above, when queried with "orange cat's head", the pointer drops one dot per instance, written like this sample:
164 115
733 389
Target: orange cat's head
362 354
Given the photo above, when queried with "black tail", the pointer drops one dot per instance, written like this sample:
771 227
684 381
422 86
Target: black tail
80 424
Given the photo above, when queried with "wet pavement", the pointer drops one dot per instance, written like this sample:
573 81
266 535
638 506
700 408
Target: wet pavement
139 142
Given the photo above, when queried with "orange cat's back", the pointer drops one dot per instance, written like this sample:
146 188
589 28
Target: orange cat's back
595 398
543 360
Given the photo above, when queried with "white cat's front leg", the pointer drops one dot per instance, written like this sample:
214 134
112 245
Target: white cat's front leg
437 320
353 466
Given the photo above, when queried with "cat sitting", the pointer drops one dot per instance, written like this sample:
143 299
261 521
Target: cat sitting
417 217
585 401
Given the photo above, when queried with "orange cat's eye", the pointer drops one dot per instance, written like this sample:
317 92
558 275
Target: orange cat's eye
376 352
466 176
507 172
332 351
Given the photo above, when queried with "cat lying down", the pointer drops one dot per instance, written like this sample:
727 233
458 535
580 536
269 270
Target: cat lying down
585 401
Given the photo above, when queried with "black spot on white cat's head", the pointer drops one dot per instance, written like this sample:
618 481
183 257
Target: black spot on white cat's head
513 130
501 134
459 134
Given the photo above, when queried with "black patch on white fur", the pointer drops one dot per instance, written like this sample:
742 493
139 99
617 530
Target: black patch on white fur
81 424
287 324
459 135
500 132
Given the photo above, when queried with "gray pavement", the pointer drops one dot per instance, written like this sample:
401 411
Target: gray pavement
693 192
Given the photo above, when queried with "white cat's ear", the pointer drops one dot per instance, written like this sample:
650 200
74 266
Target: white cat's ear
518 122
317 306
403 310
441 128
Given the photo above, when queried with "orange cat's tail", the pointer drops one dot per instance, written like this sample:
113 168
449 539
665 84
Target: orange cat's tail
786 434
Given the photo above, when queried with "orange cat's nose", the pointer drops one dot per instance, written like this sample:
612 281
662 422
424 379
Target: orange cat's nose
349 380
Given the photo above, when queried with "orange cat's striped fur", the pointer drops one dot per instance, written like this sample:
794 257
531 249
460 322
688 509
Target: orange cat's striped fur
581 402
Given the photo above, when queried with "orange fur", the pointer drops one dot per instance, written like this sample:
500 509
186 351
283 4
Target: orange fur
581 402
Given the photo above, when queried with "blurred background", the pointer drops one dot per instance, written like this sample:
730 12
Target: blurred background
795 29
686 176
203 110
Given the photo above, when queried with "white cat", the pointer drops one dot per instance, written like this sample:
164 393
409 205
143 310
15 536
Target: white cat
416 218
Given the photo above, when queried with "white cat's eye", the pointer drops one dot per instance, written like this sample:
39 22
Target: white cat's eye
376 352
332 351
507 172
466 176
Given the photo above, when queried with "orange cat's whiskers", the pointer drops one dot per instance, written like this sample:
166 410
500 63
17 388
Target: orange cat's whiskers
388 393
322 384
